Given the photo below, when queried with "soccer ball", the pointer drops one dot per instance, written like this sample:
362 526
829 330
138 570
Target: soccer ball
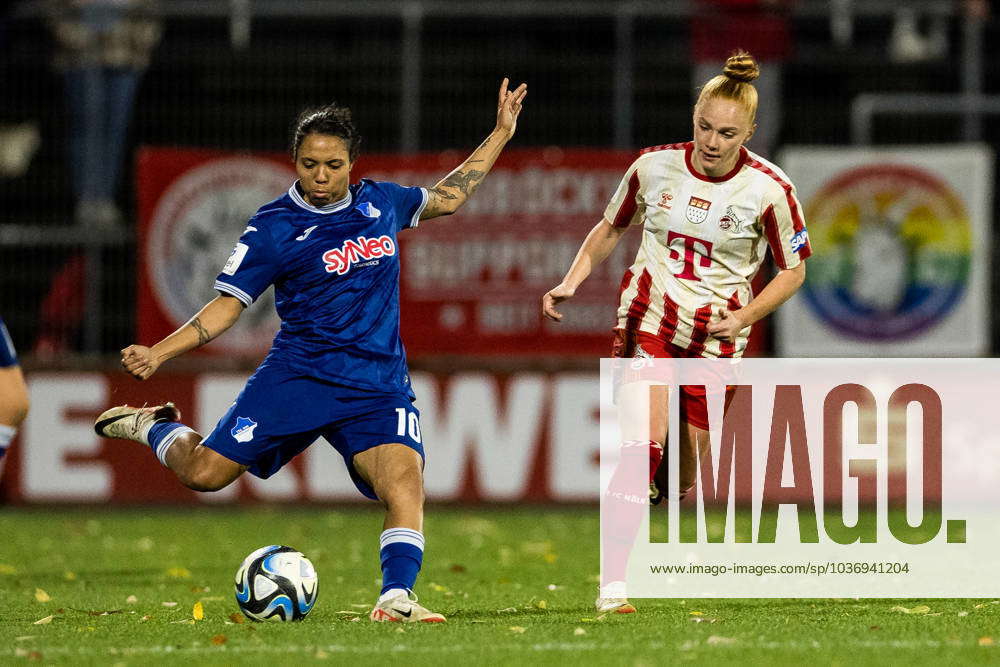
276 583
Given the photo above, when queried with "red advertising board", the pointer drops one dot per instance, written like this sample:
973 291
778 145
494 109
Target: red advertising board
471 284
512 437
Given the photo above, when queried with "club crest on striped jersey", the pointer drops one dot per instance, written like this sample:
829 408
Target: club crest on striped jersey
697 210
730 221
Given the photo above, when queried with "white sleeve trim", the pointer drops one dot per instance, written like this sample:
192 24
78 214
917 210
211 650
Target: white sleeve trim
415 220
234 291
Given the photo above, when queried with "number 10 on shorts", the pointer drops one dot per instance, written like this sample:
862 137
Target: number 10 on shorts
407 420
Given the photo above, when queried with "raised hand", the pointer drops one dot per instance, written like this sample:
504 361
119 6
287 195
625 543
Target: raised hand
509 106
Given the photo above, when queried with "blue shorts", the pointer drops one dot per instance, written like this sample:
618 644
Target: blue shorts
8 357
280 412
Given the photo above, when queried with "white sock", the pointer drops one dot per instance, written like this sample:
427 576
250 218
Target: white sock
393 593
161 449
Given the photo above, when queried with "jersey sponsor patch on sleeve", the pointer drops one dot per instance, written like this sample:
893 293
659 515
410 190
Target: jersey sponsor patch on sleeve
800 240
235 259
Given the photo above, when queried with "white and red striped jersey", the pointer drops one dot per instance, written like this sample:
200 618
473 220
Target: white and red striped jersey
703 240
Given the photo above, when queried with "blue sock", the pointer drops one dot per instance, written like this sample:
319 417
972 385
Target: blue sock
162 434
402 552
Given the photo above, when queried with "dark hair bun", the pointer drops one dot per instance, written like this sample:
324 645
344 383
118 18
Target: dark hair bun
742 67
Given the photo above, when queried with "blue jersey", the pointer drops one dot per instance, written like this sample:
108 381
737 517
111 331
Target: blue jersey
8 357
335 272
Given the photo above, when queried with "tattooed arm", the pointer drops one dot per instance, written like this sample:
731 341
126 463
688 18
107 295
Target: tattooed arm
217 316
454 189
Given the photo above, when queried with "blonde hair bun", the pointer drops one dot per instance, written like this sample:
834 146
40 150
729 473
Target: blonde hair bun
742 67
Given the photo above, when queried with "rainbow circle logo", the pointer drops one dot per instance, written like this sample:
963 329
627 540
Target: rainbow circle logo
891 252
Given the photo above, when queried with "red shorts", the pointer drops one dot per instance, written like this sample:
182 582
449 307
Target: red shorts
693 405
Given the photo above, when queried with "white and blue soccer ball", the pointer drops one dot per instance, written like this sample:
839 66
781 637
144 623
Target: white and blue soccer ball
276 583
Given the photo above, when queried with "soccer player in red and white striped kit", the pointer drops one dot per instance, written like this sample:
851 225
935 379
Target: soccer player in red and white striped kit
709 209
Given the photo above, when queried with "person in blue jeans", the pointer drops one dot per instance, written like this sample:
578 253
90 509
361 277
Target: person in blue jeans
103 48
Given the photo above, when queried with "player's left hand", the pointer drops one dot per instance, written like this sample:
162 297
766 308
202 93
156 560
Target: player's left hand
728 326
509 107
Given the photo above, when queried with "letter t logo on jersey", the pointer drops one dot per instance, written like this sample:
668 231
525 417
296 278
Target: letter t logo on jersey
691 247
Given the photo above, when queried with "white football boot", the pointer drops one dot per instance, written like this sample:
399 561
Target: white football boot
403 609
616 605
130 423
611 598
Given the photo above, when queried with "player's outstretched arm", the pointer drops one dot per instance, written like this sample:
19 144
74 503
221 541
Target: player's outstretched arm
599 243
217 316
454 189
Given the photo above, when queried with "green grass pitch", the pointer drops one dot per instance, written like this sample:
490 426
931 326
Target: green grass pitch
119 587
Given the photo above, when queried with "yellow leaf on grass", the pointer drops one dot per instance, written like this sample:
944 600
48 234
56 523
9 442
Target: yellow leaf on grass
69 576
41 595
919 609
179 573
550 558
579 631
986 641
131 599
198 611
517 629
43 621
7 569
542 604
696 613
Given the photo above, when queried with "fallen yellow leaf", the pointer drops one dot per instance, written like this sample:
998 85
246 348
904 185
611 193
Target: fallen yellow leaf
179 573
69 576
517 629
43 621
579 631
696 613
542 604
198 611
7 569
986 641
41 595
919 609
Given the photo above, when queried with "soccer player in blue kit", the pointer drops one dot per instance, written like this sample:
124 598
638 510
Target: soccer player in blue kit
337 367
13 393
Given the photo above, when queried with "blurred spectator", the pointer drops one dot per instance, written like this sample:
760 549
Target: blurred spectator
18 141
762 27
103 47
